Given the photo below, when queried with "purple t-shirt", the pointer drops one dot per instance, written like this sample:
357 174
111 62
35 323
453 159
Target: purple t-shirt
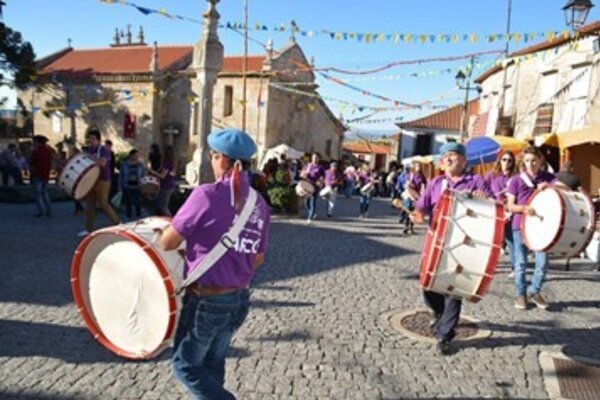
331 177
314 172
418 181
363 178
433 191
169 181
521 191
499 184
205 217
97 153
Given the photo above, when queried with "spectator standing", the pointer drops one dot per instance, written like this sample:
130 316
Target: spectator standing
131 172
9 165
41 164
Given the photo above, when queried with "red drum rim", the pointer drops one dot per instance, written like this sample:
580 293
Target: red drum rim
561 226
78 181
85 313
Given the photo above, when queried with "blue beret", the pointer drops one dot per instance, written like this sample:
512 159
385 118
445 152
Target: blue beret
233 143
455 147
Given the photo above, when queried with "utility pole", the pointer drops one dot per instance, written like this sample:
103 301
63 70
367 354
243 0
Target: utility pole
208 61
501 101
464 117
245 66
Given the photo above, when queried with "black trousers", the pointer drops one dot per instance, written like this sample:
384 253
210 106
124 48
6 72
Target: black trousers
447 311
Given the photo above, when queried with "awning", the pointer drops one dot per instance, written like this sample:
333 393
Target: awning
547 139
575 138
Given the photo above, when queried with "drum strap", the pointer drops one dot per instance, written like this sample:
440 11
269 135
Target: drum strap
227 242
525 178
444 184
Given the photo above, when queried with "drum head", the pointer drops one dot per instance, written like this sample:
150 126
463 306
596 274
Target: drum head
541 230
123 294
86 182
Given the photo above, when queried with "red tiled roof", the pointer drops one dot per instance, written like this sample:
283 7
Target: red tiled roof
134 59
548 44
367 148
447 120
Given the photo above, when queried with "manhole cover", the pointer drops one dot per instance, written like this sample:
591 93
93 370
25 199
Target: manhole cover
416 324
571 378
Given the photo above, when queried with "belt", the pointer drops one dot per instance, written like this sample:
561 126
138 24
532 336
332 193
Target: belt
204 291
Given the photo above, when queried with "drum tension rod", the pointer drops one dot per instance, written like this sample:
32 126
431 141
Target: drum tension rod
459 268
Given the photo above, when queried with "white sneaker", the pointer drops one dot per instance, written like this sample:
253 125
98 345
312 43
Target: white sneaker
83 233
511 275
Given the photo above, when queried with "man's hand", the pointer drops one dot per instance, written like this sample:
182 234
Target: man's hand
528 210
480 194
416 217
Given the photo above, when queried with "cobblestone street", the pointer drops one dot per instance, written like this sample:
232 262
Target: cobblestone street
313 332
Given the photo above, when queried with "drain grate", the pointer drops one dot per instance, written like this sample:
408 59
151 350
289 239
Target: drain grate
577 380
415 324
419 324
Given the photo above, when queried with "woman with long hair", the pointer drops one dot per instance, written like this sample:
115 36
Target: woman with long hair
504 169
154 158
167 173
415 185
520 189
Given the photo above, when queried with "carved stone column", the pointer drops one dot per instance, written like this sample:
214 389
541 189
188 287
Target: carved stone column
208 61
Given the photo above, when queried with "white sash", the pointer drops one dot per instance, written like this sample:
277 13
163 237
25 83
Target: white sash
525 178
226 242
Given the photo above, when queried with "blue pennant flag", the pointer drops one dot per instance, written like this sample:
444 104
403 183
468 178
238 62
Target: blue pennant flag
144 10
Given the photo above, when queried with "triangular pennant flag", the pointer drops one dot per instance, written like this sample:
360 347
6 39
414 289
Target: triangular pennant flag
360 36
422 38
144 10
432 38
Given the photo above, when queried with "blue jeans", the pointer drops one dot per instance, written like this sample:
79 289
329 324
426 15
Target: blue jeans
42 199
510 243
539 273
365 201
206 326
132 198
311 204
162 201
349 189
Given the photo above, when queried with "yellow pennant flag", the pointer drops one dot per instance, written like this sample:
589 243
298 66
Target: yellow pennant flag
565 34
408 38
455 38
396 37
381 37
473 38
517 37
422 38
549 35
368 37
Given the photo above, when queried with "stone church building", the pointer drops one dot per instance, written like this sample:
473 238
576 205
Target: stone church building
138 94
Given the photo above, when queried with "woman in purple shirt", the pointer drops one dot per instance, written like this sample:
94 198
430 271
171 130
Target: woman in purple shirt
367 181
520 189
166 173
314 173
415 185
217 304
504 169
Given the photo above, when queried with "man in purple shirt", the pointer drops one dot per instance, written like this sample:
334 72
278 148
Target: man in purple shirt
216 305
314 173
333 179
99 194
520 189
446 309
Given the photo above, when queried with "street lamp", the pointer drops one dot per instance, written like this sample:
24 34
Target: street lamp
576 12
462 78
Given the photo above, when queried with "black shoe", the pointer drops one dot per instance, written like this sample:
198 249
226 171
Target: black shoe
443 348
405 231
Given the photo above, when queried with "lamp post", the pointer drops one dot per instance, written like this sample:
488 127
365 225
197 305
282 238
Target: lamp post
576 12
461 80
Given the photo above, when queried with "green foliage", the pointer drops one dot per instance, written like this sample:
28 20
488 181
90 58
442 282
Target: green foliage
283 199
16 57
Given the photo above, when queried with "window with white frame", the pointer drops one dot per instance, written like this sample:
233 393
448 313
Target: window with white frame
578 93
548 87
508 99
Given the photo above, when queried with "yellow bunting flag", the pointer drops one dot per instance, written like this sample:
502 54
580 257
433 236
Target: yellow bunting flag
422 38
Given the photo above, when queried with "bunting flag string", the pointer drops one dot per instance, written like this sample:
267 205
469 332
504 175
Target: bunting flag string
366 37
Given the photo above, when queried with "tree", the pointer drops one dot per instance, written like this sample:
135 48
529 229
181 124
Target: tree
17 57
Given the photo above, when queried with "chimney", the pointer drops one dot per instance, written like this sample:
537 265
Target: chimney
117 38
141 36
154 59
128 34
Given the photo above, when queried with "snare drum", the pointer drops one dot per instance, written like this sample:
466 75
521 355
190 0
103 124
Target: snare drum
125 287
79 176
304 188
563 223
149 185
462 246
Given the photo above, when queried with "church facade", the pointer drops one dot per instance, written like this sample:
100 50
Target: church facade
138 94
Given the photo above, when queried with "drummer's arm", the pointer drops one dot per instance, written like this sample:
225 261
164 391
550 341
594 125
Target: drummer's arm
515 208
259 259
170 239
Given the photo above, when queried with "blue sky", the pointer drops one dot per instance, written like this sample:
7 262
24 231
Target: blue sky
91 23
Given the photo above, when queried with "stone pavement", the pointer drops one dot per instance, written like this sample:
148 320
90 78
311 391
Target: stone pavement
313 331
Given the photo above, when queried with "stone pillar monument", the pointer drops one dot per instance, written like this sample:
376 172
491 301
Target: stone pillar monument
208 61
